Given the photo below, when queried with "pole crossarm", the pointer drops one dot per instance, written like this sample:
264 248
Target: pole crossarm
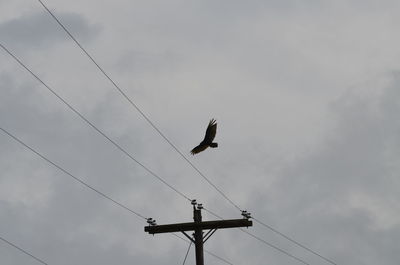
198 226
169 228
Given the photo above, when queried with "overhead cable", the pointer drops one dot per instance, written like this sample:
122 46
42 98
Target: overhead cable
71 175
23 251
131 157
292 240
263 241
187 252
205 250
86 185
166 138
133 104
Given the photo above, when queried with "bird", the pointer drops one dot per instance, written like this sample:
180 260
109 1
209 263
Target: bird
208 139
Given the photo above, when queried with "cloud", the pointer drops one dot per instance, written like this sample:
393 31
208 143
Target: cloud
39 30
36 199
297 147
347 189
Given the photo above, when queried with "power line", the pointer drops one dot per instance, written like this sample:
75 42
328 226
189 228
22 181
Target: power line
169 141
100 132
136 106
86 185
79 180
23 251
72 176
94 126
45 263
274 247
292 240
205 250
104 135
263 241
217 257
187 252
91 125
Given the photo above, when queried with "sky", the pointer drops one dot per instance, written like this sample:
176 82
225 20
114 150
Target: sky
306 95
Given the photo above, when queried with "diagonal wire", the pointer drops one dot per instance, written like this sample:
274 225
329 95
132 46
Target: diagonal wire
45 263
136 106
114 201
187 252
77 179
292 240
71 175
263 241
23 251
99 131
205 250
94 126
166 138
88 186
275 247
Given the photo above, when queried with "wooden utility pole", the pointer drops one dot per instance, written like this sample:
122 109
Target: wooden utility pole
198 226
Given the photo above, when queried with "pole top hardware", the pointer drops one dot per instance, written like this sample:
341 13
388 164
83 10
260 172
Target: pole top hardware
198 226
151 221
246 214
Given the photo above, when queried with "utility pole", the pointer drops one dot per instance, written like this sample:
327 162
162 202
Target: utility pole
198 226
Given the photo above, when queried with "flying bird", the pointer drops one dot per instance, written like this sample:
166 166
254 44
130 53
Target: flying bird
207 142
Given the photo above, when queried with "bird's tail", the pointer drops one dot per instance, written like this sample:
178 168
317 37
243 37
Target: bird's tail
213 145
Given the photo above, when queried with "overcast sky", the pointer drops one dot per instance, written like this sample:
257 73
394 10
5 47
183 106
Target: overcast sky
306 95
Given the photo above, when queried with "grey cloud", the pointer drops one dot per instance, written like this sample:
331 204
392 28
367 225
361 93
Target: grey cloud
138 63
324 173
343 189
37 202
39 30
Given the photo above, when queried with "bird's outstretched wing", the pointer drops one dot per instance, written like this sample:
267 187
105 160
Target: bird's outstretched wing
199 148
208 138
211 131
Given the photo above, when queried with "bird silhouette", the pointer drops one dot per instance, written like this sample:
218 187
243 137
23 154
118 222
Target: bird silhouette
208 139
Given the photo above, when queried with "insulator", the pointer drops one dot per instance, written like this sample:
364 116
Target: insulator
246 214
194 202
200 206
